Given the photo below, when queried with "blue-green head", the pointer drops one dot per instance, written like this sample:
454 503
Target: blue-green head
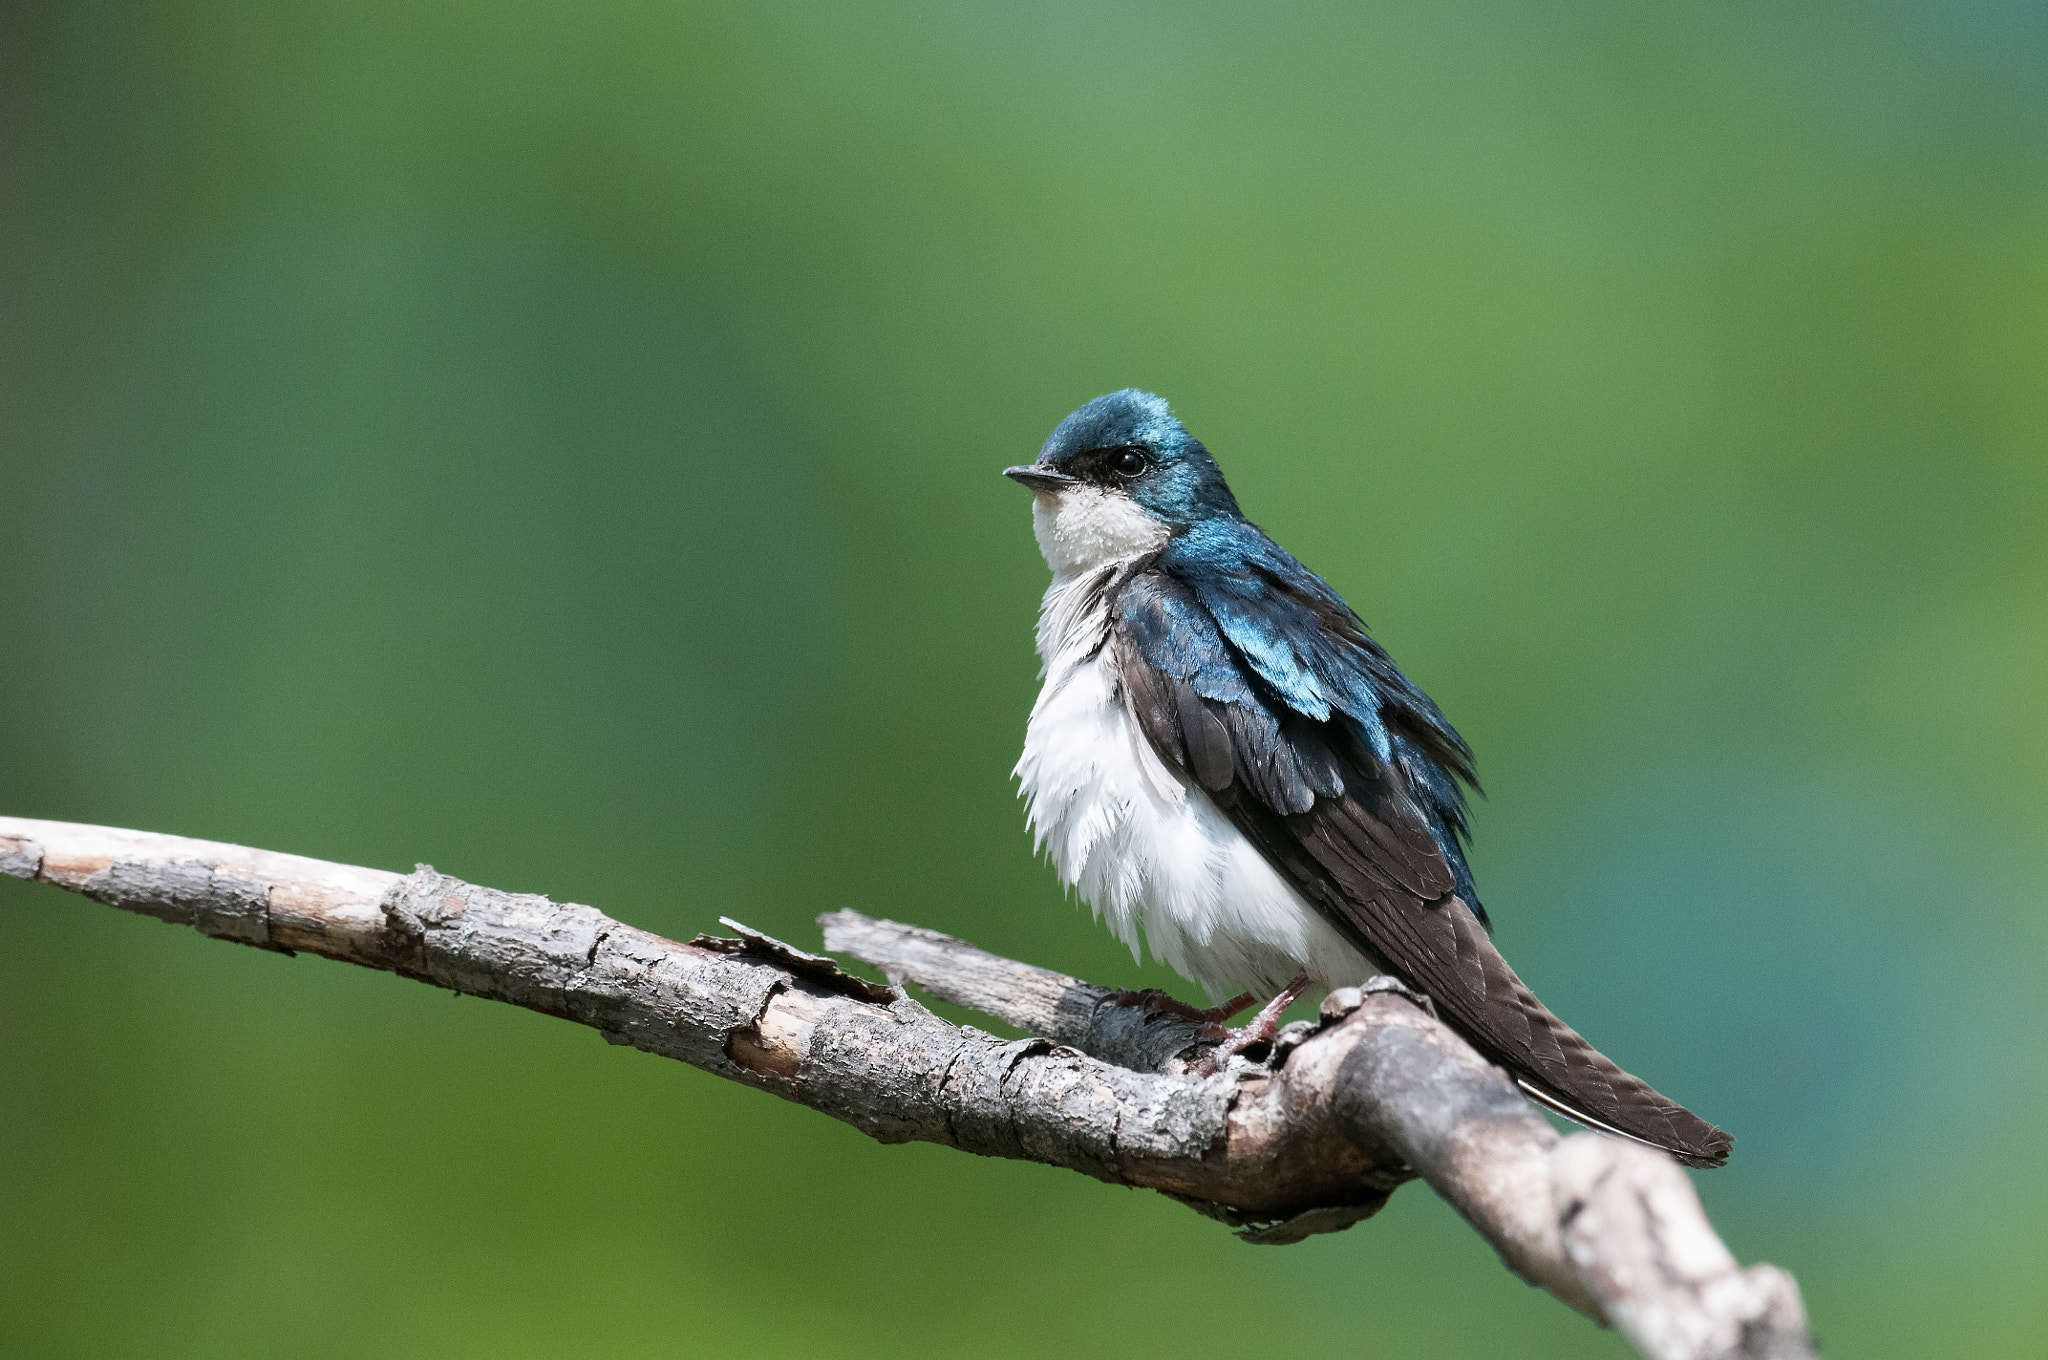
1128 447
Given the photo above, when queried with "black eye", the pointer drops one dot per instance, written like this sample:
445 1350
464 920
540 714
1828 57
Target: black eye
1128 463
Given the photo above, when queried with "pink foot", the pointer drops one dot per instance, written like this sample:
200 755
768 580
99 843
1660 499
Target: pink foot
1260 1030
1151 998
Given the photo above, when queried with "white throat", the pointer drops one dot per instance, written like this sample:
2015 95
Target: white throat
1084 527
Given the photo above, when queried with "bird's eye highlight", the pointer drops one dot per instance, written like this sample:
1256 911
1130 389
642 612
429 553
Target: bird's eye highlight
1128 463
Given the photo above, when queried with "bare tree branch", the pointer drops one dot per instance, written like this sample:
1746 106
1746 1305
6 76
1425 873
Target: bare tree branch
1373 1093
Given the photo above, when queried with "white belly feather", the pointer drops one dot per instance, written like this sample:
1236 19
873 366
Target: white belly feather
1149 852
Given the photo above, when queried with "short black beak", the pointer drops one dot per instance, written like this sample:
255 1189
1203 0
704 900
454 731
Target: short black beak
1040 478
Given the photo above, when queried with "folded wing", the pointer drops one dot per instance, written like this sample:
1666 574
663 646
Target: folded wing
1261 686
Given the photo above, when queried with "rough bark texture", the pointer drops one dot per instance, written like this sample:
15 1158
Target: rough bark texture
1314 1139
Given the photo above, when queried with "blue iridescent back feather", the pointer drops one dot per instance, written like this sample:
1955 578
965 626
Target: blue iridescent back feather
1315 656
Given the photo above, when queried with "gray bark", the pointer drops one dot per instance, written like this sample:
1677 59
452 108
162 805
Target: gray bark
1373 1093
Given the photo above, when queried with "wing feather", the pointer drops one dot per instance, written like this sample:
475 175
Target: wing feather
1345 777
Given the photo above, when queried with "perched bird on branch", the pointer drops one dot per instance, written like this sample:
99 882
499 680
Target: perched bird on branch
1223 759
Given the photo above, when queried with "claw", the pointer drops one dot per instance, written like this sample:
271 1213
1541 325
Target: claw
1151 998
1259 1030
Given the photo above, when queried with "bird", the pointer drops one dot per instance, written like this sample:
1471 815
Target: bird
1227 767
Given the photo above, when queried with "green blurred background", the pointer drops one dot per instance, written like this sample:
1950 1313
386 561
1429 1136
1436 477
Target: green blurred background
559 442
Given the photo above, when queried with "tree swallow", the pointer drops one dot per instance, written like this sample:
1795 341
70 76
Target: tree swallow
1222 759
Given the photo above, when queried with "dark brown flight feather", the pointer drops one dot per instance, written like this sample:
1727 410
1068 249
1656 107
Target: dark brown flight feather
1345 826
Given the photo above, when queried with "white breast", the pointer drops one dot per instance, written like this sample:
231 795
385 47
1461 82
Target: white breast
1150 853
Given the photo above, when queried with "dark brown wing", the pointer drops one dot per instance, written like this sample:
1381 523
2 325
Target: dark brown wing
1347 828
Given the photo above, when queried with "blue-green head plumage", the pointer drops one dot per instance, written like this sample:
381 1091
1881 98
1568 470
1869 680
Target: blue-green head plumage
1130 441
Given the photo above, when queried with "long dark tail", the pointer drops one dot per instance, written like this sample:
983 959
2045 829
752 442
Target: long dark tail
1641 1113
1559 1069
